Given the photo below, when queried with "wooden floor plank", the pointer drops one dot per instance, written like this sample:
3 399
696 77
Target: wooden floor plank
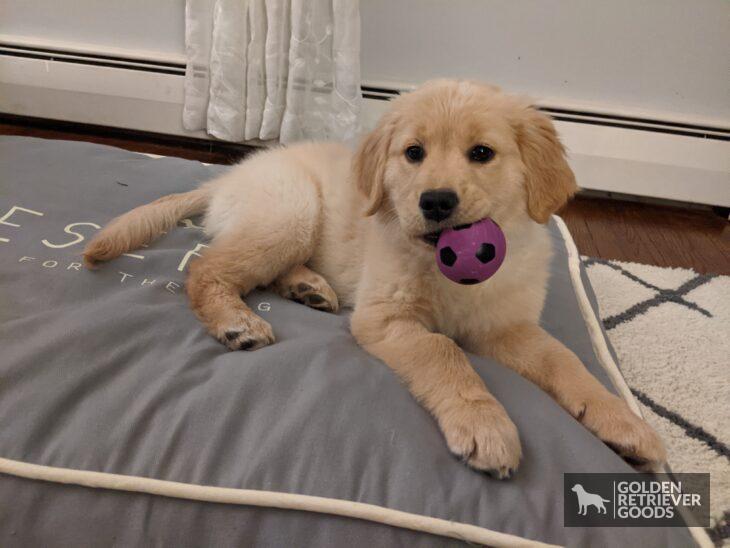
203 150
651 234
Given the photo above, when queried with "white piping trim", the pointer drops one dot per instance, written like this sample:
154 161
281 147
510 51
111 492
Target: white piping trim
157 156
600 348
250 497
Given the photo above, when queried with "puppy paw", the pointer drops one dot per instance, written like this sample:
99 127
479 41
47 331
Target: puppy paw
611 420
307 287
480 433
248 332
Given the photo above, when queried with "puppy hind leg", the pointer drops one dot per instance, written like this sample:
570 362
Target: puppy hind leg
218 304
228 270
263 224
245 257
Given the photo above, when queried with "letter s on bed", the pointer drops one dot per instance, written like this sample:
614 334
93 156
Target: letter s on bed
67 230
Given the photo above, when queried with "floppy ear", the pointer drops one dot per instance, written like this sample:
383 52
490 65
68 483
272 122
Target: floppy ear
369 165
548 177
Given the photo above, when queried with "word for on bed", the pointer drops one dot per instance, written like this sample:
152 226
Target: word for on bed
77 237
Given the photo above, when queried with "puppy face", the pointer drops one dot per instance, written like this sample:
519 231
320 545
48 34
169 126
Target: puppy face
455 152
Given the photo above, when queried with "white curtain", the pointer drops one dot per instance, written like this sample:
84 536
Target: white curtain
273 69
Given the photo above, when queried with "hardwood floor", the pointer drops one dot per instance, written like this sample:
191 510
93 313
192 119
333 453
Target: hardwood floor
651 234
670 236
203 150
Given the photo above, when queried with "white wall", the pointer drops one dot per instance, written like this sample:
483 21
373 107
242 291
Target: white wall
664 58
654 56
154 26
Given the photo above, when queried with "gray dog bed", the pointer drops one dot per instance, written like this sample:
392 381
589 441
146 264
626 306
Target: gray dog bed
125 424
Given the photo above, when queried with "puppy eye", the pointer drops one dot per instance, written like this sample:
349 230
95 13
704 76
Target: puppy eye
415 153
481 154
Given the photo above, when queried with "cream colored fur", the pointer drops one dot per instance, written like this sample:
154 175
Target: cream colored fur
328 228
146 223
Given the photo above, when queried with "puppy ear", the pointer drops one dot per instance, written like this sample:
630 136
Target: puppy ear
369 164
549 180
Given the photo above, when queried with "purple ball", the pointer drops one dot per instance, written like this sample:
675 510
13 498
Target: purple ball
470 254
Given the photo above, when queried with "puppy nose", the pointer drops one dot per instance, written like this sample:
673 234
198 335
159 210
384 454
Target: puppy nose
437 205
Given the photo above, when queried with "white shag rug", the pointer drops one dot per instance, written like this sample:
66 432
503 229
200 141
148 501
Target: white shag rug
671 330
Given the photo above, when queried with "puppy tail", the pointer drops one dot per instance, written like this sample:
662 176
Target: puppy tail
143 224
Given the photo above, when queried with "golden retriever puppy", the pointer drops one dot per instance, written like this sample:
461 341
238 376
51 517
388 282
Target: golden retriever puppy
328 229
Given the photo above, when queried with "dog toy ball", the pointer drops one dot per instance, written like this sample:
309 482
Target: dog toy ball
470 254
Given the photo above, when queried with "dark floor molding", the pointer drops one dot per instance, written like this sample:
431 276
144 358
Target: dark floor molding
189 143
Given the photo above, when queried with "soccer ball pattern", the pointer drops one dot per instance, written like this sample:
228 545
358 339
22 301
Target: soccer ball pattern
470 254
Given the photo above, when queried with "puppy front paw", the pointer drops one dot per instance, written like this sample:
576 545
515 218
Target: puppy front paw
610 418
481 434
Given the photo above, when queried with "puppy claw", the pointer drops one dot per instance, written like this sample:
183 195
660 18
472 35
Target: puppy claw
631 457
501 473
247 344
313 300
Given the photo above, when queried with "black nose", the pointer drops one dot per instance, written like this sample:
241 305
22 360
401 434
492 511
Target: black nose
437 205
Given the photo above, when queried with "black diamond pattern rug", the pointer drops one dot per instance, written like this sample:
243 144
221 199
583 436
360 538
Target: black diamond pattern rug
671 331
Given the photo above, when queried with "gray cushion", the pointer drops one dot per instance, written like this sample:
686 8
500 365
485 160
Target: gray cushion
111 372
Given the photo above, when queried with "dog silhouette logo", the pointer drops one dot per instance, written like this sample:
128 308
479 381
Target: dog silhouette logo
586 499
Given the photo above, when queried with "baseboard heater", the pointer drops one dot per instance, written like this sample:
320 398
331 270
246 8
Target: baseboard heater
609 151
599 119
